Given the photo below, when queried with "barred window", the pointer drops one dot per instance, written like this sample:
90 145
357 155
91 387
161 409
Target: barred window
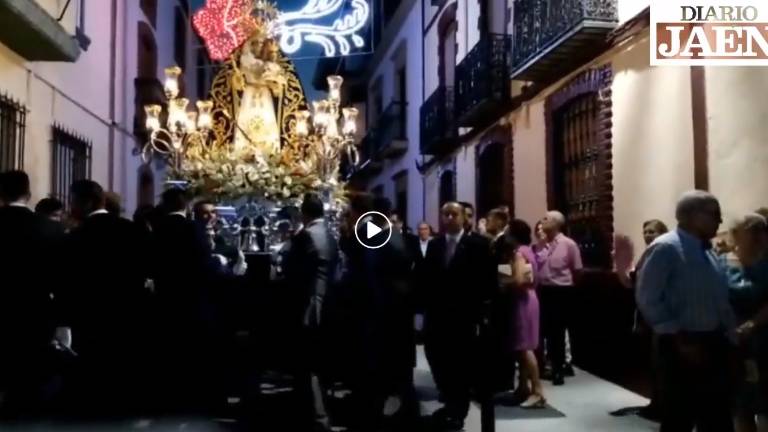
581 178
13 118
71 161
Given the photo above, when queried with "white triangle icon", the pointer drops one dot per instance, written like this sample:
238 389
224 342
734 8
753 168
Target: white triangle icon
371 229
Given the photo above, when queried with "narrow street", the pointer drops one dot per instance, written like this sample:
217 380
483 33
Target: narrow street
582 405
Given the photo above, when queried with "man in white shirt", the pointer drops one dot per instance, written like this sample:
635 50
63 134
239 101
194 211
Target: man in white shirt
425 235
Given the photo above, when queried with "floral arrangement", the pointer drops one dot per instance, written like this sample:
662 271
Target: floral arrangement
230 175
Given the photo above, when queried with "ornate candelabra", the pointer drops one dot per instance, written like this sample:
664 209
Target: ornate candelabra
328 133
182 127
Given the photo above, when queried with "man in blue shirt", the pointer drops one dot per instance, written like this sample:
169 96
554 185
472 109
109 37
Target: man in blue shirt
683 294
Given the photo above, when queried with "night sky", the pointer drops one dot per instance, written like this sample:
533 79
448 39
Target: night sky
305 66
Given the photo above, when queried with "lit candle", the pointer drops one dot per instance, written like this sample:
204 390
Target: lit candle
334 87
153 117
350 121
172 81
204 117
302 124
177 114
191 122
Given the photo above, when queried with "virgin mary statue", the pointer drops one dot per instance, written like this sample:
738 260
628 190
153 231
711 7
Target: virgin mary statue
257 125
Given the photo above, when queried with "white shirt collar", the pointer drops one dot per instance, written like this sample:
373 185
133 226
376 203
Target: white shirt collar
18 204
181 213
456 237
98 212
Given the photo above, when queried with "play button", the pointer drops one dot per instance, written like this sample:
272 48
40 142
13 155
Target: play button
373 230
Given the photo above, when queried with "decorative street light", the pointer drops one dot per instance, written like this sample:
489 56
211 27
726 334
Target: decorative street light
327 133
182 127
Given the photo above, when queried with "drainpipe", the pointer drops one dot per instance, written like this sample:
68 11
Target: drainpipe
112 92
423 98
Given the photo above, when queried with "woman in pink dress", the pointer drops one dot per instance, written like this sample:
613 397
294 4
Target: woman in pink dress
525 309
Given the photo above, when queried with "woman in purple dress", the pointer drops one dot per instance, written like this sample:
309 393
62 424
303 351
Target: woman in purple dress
525 311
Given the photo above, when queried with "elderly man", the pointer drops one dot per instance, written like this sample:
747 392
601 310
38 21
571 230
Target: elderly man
683 294
559 263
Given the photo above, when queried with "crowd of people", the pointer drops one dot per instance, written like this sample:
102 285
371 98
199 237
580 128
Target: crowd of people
128 311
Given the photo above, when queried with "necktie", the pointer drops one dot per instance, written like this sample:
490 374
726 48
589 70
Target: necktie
450 250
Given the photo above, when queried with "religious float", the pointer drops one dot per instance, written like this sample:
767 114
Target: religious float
255 145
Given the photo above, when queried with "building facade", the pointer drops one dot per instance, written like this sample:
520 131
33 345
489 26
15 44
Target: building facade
553 105
391 97
74 76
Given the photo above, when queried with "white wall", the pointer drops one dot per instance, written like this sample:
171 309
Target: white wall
738 138
652 141
76 95
529 141
405 46
629 8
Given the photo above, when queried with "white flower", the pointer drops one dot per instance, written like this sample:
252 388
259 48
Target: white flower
288 180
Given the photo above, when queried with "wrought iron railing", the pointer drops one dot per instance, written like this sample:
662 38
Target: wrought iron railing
437 119
483 74
13 125
541 23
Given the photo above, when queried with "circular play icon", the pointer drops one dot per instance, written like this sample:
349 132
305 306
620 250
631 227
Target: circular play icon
373 230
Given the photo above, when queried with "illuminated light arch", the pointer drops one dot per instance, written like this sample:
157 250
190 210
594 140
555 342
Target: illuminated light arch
297 27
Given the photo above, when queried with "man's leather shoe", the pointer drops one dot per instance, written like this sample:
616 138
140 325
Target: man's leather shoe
568 370
558 379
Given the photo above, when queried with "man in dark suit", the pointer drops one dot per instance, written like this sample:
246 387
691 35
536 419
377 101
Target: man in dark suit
185 276
382 309
105 300
310 269
500 344
463 277
27 318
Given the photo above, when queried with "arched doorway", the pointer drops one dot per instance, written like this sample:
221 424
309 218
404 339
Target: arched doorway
490 176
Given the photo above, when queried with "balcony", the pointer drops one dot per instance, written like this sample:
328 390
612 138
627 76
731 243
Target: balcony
390 133
370 161
482 81
438 126
554 37
35 35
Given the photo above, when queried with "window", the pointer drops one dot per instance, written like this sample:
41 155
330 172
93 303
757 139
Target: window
580 178
150 11
146 186
447 29
180 38
402 96
13 118
447 187
375 103
147 52
401 195
490 176
71 162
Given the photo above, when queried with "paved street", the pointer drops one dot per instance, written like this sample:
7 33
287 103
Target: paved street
580 406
